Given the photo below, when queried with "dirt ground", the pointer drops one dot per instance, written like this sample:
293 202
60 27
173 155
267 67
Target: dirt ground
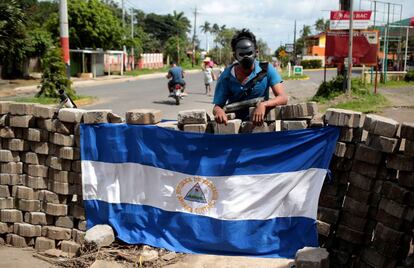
402 100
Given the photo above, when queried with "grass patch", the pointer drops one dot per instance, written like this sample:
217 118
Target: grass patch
363 101
159 70
294 77
79 100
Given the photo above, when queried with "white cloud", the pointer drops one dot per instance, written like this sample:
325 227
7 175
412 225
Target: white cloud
271 20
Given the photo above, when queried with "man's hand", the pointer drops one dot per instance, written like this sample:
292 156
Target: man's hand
219 115
259 113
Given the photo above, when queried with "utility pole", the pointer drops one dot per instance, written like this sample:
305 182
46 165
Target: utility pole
351 39
132 37
385 61
64 34
123 27
294 43
194 36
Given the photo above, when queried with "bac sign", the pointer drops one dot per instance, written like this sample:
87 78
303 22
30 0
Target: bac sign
340 20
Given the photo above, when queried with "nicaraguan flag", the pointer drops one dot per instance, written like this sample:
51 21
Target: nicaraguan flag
245 194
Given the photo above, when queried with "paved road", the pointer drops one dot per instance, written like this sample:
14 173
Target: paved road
152 93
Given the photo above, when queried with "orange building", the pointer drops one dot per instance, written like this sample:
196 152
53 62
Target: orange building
315 45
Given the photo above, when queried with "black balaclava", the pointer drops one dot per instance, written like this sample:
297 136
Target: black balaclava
245 53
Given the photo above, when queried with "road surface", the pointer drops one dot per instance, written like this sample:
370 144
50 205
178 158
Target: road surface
152 93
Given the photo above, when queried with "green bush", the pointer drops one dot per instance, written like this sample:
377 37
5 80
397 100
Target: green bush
54 76
332 88
409 76
311 64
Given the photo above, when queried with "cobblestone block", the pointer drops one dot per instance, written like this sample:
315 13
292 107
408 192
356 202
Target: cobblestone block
114 118
308 257
23 192
64 128
42 244
69 153
385 233
358 194
76 166
35 134
340 117
363 182
7 132
324 229
66 222
29 205
344 150
57 233
380 125
391 207
354 207
407 131
96 116
406 179
146 117
70 247
367 154
37 170
78 236
16 241
5 106
44 111
400 162
59 176
365 169
192 117
11 215
9 156
16 108
294 125
56 209
58 163
15 145
60 139
46 124
27 230
330 201
71 115
232 127
393 191
409 148
78 212
354 222
316 121
350 134
383 144
6 202
328 215
5 228
33 158
389 220
4 191
42 148
48 197
22 121
197 128
12 167
249 127
59 187
375 259
36 218
349 234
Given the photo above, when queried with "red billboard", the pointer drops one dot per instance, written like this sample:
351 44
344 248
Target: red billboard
365 47
340 20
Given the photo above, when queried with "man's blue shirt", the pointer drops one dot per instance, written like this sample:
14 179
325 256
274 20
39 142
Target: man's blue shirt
176 74
229 89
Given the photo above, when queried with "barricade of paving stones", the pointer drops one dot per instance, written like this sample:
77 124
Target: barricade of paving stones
366 206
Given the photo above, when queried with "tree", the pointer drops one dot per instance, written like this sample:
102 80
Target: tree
92 24
175 48
205 28
12 38
321 25
54 76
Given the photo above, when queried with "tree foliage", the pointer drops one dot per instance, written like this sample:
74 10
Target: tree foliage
54 76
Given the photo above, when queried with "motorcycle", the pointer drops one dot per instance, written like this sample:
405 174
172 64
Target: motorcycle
177 93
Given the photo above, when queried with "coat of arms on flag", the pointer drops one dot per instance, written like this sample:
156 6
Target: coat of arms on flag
246 194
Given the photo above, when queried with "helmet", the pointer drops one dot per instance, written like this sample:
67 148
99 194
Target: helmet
245 52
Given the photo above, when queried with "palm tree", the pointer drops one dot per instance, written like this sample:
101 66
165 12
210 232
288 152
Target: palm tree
205 28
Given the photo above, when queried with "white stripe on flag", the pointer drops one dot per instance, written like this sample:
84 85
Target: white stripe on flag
241 197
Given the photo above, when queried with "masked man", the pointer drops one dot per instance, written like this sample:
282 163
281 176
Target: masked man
247 79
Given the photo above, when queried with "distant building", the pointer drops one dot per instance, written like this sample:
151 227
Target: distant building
315 47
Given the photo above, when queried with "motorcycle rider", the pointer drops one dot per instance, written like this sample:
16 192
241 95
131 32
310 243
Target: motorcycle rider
176 74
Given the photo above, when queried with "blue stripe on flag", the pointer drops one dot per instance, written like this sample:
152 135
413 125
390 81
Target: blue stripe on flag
206 154
189 233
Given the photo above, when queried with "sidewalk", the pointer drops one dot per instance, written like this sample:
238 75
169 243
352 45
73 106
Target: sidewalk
77 82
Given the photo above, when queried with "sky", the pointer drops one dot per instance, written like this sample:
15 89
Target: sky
270 20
